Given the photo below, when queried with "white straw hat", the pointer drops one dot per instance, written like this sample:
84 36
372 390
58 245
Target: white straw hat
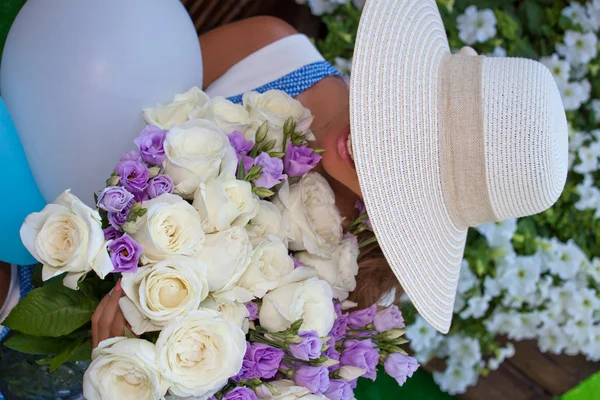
445 142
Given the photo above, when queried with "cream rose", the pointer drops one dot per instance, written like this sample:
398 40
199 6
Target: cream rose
340 270
197 151
199 353
158 293
226 115
181 109
276 107
227 255
310 300
124 369
67 236
225 203
171 226
316 224
231 311
270 262
287 390
267 221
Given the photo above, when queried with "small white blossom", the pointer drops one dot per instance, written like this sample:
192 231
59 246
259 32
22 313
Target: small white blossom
565 296
466 279
320 7
567 259
593 270
588 157
596 109
521 279
560 69
499 51
501 355
585 305
551 338
422 335
491 287
459 303
578 14
528 326
577 139
592 346
498 234
574 94
593 11
502 323
578 48
577 333
465 351
477 306
589 195
476 26
343 65
455 379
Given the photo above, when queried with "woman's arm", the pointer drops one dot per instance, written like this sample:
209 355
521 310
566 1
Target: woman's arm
225 46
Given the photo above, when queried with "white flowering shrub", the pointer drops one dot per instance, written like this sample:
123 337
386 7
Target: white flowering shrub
538 277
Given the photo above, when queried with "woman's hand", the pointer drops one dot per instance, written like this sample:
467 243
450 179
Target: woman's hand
108 320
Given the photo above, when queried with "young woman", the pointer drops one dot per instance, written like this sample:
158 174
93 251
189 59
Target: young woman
433 142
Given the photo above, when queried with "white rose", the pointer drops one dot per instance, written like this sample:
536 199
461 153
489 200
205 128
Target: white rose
340 270
158 293
199 353
227 255
310 300
316 224
125 369
171 226
276 107
231 311
268 221
178 111
287 390
197 151
226 115
270 262
67 236
225 203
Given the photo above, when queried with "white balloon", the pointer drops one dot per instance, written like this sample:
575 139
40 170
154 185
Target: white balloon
76 75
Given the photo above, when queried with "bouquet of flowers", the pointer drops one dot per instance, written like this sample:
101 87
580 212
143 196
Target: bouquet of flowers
232 258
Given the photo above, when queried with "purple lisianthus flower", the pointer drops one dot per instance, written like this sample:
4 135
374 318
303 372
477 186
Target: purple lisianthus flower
252 308
315 379
132 155
360 319
151 142
248 163
309 348
260 361
114 199
134 175
240 144
362 209
271 173
111 233
240 393
125 254
361 354
332 353
400 367
297 263
339 389
339 327
298 160
158 185
390 318
337 306
117 219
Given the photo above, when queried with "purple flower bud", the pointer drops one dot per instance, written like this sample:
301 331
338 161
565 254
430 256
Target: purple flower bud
260 361
239 143
298 160
117 219
339 327
125 254
360 206
388 319
309 348
158 185
360 319
132 155
114 199
332 353
339 389
315 379
240 393
252 310
361 354
337 306
111 233
297 263
400 367
151 141
271 173
134 175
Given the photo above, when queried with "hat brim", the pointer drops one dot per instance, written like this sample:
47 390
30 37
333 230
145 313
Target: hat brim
394 123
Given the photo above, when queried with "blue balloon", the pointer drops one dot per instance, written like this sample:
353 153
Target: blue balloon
19 194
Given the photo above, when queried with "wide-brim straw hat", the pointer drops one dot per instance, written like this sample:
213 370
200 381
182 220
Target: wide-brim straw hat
443 142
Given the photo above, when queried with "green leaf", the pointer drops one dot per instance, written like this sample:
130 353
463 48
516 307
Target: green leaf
507 25
52 310
83 352
36 276
95 287
67 352
240 170
36 344
534 14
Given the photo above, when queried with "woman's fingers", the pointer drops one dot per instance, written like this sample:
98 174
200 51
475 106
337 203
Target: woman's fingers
109 313
118 326
96 319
